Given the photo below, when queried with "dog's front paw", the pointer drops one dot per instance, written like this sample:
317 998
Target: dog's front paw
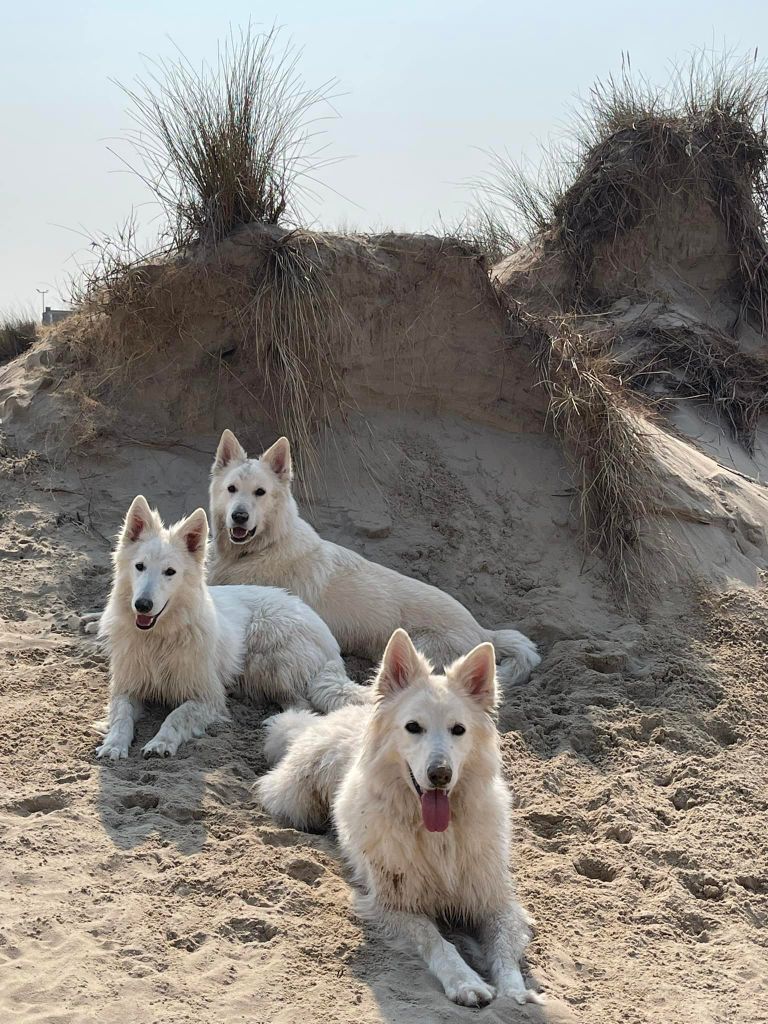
470 991
114 750
512 986
160 746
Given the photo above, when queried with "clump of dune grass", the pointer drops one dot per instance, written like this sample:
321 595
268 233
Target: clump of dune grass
484 231
700 362
601 425
230 152
18 332
703 134
232 143
113 276
524 195
295 326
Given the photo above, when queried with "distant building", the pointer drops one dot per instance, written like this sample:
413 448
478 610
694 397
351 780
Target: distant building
52 316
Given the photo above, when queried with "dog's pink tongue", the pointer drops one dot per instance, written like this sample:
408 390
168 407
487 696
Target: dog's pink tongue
143 620
435 810
239 532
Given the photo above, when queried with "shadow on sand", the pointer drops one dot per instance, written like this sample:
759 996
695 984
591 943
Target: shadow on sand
163 798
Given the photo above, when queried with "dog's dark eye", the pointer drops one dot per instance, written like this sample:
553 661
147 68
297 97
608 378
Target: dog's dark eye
232 489
140 566
259 492
169 572
458 730
413 727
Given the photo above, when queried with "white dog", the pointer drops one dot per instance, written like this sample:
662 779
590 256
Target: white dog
415 789
259 537
173 639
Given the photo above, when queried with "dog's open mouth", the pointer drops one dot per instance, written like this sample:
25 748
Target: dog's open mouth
239 534
148 621
435 807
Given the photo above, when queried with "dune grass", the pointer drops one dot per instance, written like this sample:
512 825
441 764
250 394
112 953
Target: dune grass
601 426
232 146
632 145
703 133
232 143
484 230
696 360
18 330
296 327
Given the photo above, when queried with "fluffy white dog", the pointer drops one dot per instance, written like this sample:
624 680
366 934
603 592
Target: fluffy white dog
259 537
415 789
173 639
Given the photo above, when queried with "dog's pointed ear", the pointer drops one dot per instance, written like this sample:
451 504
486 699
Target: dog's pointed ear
400 666
475 674
278 458
194 532
140 520
230 450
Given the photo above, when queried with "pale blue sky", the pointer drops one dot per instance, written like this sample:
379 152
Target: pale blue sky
428 86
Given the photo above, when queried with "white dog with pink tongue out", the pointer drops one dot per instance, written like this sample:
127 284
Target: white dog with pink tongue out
414 786
174 640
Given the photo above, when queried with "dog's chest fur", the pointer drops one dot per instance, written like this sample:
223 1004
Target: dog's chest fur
460 873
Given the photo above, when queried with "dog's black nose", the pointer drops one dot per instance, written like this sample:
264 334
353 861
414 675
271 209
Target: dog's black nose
142 605
439 775
240 516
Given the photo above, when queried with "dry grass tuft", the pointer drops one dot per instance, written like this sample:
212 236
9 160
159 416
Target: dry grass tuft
601 426
484 231
223 147
703 134
233 144
115 277
700 362
276 306
18 331
296 328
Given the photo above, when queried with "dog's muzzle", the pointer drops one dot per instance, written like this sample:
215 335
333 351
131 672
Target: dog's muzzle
144 621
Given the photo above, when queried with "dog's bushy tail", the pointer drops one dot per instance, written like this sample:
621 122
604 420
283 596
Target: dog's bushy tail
517 655
282 730
332 689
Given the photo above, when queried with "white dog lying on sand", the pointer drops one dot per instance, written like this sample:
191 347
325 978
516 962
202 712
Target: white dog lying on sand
173 639
259 537
415 789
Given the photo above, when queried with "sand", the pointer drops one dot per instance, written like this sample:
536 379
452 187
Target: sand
158 891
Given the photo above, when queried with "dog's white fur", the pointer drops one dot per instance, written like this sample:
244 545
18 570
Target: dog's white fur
354 765
361 601
204 640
